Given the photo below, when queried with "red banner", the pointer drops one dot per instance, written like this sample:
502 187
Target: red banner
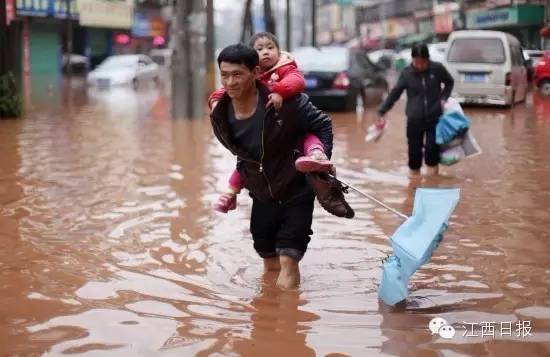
10 11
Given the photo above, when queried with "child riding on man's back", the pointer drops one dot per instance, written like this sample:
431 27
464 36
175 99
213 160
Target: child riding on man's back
280 73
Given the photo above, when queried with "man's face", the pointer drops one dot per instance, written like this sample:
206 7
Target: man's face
420 63
237 80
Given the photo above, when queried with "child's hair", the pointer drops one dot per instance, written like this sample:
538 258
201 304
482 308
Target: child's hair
267 35
239 54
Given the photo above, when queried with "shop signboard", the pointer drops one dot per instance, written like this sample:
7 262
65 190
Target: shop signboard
10 11
37 8
492 18
140 27
60 9
516 15
46 8
117 14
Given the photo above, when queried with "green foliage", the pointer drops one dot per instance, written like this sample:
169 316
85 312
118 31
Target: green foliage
10 101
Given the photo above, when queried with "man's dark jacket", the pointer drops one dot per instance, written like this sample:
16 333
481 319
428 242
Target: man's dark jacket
274 178
424 93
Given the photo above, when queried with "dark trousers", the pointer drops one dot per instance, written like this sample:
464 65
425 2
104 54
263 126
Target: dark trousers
282 229
421 141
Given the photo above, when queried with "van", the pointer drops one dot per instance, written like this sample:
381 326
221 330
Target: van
487 66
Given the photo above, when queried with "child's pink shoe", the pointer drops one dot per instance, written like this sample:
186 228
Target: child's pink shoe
316 161
226 202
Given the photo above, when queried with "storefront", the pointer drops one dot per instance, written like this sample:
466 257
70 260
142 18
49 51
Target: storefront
101 20
522 21
446 18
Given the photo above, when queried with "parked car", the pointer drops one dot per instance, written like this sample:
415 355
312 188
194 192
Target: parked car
542 74
328 81
124 69
383 57
78 63
535 55
487 66
162 57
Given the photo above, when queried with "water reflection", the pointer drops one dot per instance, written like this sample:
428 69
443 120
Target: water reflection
279 325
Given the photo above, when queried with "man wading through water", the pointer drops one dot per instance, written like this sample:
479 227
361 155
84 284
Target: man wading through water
422 80
266 143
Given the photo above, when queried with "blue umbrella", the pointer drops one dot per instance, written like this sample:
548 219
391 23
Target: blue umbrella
415 240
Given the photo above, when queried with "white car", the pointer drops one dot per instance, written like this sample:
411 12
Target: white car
124 69
162 56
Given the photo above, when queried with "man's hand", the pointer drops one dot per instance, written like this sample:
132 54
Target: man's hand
276 100
381 122
375 131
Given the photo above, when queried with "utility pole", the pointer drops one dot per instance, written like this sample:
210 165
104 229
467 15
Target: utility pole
210 47
268 17
69 38
314 23
248 26
288 27
188 60
3 39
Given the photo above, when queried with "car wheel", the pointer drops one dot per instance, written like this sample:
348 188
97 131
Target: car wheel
544 87
135 83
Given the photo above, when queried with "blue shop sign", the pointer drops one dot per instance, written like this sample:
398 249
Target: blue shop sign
39 8
60 9
493 18
46 8
141 26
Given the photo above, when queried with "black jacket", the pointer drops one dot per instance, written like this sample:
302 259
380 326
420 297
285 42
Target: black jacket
274 178
424 93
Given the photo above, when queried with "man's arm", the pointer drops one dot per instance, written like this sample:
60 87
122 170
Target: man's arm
448 81
394 95
314 121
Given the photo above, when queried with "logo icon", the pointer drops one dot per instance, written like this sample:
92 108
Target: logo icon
440 327
447 332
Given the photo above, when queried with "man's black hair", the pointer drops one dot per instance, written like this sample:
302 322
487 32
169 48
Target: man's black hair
239 54
267 35
420 50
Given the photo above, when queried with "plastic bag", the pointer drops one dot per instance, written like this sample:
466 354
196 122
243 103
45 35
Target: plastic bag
451 155
374 133
450 126
452 105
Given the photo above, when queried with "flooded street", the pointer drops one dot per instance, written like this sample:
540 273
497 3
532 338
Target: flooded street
111 247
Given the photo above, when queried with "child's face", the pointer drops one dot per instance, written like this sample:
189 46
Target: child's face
268 52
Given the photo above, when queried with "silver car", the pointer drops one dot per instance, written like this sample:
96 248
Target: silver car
124 70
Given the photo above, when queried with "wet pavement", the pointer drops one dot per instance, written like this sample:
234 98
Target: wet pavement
111 248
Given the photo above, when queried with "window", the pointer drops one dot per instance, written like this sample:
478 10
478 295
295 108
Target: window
477 50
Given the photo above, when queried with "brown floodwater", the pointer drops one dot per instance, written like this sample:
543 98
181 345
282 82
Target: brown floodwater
110 246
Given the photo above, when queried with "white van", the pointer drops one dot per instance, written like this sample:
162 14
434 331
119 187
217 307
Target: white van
487 66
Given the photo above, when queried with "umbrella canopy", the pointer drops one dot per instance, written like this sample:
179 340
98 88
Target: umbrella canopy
415 240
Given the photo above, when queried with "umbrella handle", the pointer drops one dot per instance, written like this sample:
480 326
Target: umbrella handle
372 198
